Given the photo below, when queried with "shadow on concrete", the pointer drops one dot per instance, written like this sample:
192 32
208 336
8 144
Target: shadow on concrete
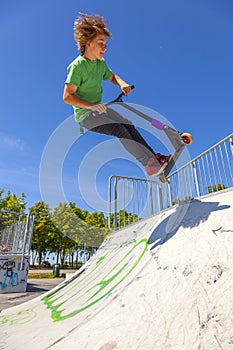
189 214
35 287
41 285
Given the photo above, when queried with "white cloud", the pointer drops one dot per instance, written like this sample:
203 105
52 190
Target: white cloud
11 142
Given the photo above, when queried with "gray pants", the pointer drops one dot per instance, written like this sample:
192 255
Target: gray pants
112 123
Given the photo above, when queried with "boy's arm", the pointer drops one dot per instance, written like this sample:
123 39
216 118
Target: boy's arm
70 98
125 88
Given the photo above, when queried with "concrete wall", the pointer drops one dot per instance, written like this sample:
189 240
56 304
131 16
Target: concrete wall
12 279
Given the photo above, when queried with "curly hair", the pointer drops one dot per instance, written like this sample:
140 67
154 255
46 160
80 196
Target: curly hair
87 28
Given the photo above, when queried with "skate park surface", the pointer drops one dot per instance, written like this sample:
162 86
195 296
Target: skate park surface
165 282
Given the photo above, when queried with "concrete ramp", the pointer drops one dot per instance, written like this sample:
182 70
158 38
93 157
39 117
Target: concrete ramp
163 283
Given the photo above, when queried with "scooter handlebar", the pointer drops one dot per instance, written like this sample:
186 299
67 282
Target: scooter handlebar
119 98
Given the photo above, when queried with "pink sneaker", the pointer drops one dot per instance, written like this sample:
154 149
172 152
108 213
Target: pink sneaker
155 167
162 159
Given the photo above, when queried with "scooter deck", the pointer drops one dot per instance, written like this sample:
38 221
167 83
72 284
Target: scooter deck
163 176
179 145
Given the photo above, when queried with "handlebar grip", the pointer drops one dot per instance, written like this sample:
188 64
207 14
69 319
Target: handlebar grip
119 98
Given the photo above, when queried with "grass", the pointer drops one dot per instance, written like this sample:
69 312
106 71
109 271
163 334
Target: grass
40 275
46 272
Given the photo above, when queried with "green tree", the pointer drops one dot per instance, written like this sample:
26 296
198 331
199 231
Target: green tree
82 214
11 207
79 226
123 218
44 230
216 188
70 227
95 219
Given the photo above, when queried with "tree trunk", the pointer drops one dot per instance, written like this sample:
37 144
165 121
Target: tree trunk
58 253
39 258
72 259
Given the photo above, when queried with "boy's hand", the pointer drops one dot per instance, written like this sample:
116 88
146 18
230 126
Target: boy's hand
126 89
100 108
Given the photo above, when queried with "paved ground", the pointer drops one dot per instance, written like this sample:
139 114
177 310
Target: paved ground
35 287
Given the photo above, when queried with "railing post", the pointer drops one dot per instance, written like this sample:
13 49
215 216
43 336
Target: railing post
24 241
169 193
32 218
151 199
109 202
115 204
196 179
160 198
231 144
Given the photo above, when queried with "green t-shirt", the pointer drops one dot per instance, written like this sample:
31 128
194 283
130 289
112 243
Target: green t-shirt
87 75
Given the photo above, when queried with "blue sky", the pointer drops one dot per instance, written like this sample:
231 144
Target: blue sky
178 54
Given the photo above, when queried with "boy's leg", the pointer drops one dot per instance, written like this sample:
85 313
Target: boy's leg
112 123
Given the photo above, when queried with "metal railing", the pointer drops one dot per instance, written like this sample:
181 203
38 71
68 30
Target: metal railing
131 199
16 234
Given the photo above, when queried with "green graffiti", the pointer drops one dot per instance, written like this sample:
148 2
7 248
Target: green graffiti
56 301
90 287
19 318
100 260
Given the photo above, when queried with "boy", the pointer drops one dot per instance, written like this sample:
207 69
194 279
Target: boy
83 90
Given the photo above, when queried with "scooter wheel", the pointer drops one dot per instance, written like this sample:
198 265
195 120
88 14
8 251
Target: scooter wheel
187 138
